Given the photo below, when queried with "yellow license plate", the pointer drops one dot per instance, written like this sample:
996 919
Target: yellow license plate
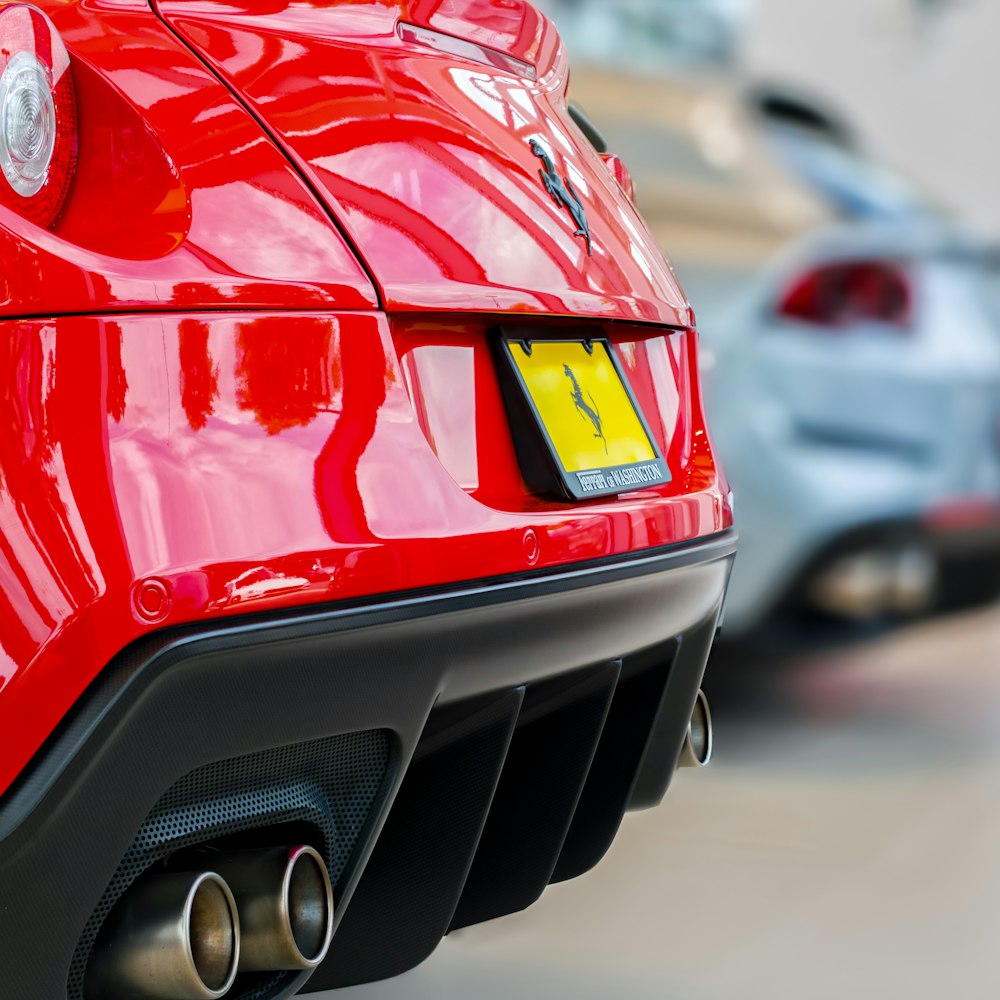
589 420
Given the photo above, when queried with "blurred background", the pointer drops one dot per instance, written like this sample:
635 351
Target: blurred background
823 177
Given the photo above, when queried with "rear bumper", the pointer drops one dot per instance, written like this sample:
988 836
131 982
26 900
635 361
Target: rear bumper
160 470
455 693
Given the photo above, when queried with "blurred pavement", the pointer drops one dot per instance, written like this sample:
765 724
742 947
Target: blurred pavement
846 842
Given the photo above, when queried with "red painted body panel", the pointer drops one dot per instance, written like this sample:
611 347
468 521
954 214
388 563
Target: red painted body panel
179 200
247 462
511 26
212 409
424 156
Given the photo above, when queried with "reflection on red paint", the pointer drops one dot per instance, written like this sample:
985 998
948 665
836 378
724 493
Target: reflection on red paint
424 157
338 484
287 372
48 560
513 26
442 42
199 374
441 382
117 382
179 199
61 557
152 446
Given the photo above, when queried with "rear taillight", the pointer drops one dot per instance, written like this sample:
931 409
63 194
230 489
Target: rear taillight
37 115
620 173
850 292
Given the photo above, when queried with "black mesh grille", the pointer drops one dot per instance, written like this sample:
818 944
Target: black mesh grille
331 784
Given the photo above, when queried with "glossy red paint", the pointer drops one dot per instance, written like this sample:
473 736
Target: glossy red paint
167 469
212 409
179 200
424 157
463 48
511 26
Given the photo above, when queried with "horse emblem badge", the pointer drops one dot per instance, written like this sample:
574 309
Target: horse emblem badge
562 192
588 411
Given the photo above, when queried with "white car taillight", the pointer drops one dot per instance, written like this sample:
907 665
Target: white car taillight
841 294
38 134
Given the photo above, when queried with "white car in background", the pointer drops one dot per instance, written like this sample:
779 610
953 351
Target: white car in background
851 355
855 395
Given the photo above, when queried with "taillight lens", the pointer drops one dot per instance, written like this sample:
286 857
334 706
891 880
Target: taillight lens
845 293
37 115
620 173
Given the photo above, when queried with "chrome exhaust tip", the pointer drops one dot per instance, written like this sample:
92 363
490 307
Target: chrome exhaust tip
914 581
697 749
285 902
172 936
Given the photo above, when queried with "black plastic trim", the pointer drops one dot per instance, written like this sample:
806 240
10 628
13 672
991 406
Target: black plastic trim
188 697
586 125
158 651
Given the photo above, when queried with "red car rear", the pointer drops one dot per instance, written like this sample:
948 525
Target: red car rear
361 540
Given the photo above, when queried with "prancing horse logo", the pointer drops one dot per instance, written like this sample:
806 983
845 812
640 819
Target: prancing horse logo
562 191
592 413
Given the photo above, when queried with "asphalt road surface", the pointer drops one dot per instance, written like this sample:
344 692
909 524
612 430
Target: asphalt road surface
844 843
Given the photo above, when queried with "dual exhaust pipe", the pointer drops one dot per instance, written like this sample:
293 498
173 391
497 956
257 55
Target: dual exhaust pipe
185 935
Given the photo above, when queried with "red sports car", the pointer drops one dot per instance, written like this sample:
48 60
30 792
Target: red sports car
361 539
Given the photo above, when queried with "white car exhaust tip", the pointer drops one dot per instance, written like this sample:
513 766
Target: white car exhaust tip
876 582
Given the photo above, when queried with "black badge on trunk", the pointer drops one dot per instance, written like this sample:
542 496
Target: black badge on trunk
562 192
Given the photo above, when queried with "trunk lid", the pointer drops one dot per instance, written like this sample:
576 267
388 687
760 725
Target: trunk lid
421 125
